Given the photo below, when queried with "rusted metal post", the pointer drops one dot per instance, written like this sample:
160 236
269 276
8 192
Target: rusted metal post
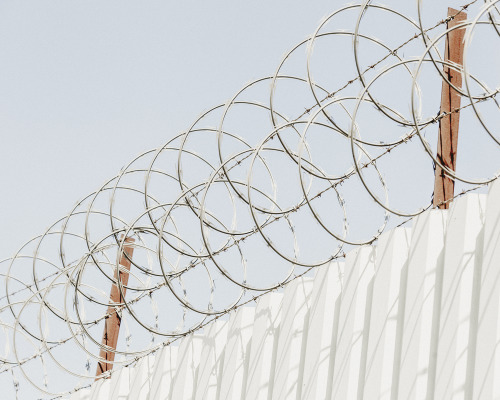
444 186
113 321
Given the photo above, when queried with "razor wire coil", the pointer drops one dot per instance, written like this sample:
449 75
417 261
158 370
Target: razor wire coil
202 197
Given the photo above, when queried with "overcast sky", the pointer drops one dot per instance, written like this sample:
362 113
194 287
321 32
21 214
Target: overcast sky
86 86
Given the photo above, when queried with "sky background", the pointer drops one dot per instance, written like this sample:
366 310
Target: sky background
86 86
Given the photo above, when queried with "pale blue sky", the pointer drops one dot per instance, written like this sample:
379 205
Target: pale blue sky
86 86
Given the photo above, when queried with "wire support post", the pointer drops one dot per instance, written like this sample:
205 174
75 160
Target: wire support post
113 319
444 185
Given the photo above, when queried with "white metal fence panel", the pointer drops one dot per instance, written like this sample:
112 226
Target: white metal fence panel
486 384
235 354
163 373
425 257
292 335
262 356
322 328
188 359
140 385
349 357
391 258
210 368
465 223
